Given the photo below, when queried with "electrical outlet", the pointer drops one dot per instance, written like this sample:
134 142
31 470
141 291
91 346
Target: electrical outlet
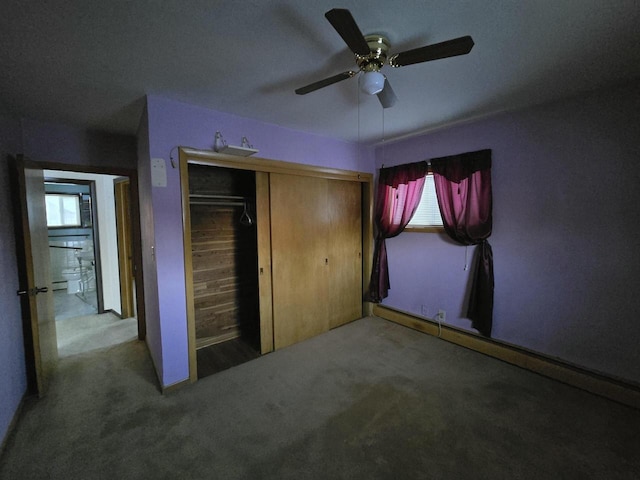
425 311
442 315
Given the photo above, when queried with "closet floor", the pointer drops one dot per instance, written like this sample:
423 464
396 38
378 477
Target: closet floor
215 358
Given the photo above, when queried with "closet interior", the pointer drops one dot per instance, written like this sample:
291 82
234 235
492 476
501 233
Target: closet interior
225 270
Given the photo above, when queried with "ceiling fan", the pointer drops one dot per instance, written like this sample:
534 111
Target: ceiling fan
371 55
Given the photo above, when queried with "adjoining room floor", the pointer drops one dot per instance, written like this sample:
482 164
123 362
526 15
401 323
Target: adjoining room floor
91 332
70 305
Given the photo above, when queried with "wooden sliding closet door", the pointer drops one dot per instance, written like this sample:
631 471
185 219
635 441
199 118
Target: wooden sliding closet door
344 205
316 244
299 226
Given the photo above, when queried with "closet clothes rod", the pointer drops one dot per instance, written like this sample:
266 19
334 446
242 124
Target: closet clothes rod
218 197
218 203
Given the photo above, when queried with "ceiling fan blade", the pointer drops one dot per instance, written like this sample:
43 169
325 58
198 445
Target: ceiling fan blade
346 26
325 83
450 48
387 96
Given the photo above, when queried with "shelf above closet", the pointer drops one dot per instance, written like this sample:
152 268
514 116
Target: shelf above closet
238 151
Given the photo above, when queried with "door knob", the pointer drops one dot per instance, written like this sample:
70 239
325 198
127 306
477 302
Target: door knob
33 291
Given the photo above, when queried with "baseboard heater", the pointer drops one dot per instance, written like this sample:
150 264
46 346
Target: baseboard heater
593 382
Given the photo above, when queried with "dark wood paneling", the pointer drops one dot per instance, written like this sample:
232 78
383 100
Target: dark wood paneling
224 256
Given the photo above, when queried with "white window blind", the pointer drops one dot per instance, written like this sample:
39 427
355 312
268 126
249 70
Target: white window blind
428 213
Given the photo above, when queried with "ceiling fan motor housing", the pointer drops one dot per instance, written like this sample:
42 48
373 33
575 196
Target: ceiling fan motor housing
371 52
373 62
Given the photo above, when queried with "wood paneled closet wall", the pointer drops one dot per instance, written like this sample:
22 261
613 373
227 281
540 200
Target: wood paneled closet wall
296 272
224 254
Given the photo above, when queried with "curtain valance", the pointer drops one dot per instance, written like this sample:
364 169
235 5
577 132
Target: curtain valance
402 174
456 168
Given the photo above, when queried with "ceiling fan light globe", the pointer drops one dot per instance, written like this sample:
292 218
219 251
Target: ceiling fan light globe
371 82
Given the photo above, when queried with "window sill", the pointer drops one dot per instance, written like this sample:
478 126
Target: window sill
424 229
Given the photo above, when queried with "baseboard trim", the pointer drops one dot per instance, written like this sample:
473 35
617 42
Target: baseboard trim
111 310
593 382
175 386
12 424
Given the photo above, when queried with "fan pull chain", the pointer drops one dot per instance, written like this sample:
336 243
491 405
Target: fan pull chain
358 89
383 134
384 146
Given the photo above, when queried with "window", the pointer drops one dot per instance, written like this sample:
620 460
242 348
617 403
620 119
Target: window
427 217
63 210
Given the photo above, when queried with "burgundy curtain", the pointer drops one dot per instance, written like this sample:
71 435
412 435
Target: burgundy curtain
397 198
463 188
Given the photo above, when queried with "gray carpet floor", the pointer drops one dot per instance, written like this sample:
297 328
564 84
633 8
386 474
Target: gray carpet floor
370 400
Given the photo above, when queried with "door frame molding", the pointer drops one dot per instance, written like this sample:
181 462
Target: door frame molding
126 270
193 156
134 192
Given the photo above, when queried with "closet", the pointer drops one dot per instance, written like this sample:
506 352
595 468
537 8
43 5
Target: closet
224 261
292 270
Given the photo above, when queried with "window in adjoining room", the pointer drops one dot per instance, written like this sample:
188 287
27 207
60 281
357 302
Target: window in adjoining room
63 210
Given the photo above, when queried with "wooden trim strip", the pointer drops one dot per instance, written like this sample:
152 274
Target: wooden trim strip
188 268
424 229
175 386
204 157
596 383
111 310
265 291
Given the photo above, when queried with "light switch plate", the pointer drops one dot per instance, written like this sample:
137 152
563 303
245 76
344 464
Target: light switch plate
158 172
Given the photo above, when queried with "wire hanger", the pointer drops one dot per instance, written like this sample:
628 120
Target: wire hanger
246 219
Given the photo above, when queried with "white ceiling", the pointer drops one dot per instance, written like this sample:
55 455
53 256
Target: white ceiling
89 63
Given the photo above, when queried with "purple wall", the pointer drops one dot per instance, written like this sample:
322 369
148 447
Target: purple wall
566 196
47 142
13 380
173 123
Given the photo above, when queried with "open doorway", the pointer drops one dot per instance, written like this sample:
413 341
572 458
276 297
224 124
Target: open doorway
85 251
